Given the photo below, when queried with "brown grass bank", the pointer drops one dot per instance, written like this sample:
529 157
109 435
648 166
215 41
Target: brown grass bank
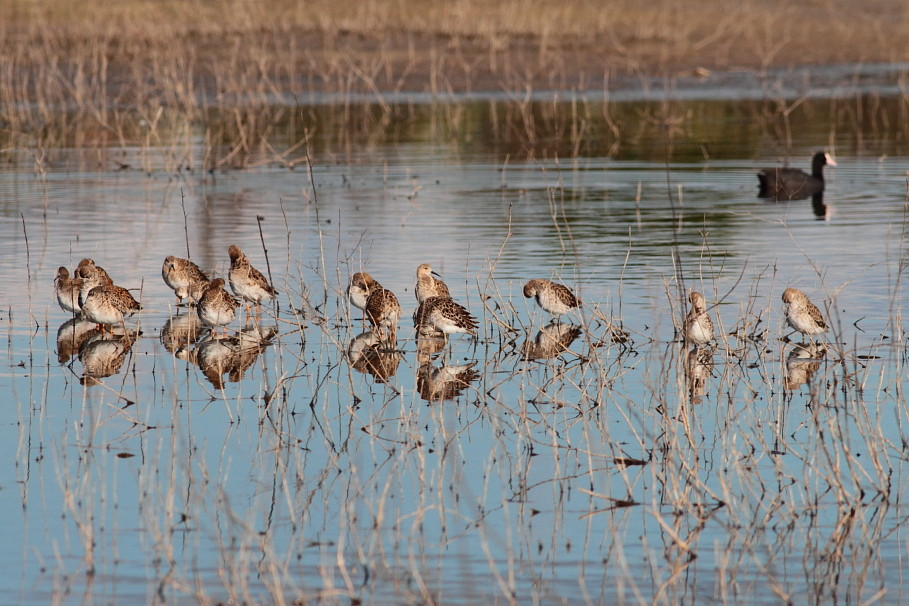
182 50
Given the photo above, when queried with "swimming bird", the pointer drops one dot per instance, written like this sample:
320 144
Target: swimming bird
216 307
67 290
246 281
553 297
801 313
184 277
698 325
791 183
443 314
361 285
383 310
428 285
107 305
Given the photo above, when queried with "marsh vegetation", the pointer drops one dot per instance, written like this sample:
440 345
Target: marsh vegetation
598 459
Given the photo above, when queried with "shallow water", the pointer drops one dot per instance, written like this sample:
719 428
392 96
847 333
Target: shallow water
609 473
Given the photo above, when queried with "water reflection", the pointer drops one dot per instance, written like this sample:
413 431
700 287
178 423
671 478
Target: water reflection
802 362
447 382
181 330
102 356
821 210
369 353
71 335
219 355
550 341
698 363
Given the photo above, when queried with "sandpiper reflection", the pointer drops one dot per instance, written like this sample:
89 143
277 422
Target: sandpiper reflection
551 340
370 353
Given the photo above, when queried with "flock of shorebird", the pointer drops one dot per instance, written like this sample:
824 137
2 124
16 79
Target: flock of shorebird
92 293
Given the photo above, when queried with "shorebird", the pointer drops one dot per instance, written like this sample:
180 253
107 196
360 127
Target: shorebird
107 305
698 325
428 285
92 275
361 285
553 297
792 183
67 290
216 307
383 310
184 277
444 315
246 281
801 313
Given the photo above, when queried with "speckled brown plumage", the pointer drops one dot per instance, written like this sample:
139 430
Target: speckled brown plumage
428 285
216 307
801 313
698 325
183 276
553 297
245 280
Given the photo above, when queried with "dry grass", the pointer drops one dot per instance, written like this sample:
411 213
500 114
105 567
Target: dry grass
147 74
126 48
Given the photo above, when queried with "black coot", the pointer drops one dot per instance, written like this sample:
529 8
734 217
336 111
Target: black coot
792 183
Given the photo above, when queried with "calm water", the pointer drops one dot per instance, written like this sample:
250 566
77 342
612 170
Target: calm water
607 473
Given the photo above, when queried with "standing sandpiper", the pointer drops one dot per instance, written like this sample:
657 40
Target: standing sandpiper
67 290
383 309
428 285
444 315
107 305
698 325
216 307
183 276
361 285
246 281
553 297
801 314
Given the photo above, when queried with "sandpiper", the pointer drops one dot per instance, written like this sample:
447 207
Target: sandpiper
361 285
87 269
107 305
801 314
551 296
246 281
383 309
92 275
216 307
428 285
698 325
67 290
444 315
183 276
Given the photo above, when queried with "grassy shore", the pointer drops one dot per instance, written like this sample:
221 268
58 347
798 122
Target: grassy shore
137 47
145 72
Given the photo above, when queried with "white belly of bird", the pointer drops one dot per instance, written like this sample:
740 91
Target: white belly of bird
802 321
99 311
552 303
216 317
250 292
698 333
